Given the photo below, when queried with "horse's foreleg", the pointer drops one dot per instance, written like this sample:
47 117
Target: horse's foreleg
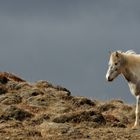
136 124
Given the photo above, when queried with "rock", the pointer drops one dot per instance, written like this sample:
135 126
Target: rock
110 118
21 85
62 94
11 99
13 112
3 89
60 88
122 117
62 119
11 85
106 107
114 121
119 125
78 101
14 85
3 80
60 131
116 101
80 117
46 84
31 93
33 133
42 84
38 101
39 120
127 108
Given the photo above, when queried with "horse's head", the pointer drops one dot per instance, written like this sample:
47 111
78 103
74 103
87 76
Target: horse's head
114 68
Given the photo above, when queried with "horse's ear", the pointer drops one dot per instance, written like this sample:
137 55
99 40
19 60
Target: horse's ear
117 54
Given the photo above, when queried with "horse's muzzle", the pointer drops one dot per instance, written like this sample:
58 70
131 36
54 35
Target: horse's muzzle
110 80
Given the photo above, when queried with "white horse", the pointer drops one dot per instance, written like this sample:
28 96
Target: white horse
127 64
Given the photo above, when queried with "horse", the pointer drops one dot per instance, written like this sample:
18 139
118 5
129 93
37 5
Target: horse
126 64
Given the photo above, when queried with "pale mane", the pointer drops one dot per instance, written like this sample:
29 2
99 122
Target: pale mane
127 52
130 52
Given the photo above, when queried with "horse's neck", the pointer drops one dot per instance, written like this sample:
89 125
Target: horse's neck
131 70
129 76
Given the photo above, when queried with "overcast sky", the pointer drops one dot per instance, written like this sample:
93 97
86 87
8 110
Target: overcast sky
67 41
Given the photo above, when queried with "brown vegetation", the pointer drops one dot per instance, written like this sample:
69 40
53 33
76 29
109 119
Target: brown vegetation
42 111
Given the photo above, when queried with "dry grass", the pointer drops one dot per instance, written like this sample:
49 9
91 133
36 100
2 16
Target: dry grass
43 111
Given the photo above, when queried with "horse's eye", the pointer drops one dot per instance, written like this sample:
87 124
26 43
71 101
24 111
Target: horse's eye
116 63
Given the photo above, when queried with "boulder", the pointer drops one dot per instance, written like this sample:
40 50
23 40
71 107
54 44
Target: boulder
13 112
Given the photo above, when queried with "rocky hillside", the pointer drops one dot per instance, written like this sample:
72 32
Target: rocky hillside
43 111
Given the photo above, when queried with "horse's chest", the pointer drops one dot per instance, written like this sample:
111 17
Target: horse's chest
132 88
135 89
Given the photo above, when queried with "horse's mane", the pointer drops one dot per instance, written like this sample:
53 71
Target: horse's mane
127 52
130 52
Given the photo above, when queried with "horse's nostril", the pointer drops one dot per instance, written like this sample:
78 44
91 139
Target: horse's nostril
109 79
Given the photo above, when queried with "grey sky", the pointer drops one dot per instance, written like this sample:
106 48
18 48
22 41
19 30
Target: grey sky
67 41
